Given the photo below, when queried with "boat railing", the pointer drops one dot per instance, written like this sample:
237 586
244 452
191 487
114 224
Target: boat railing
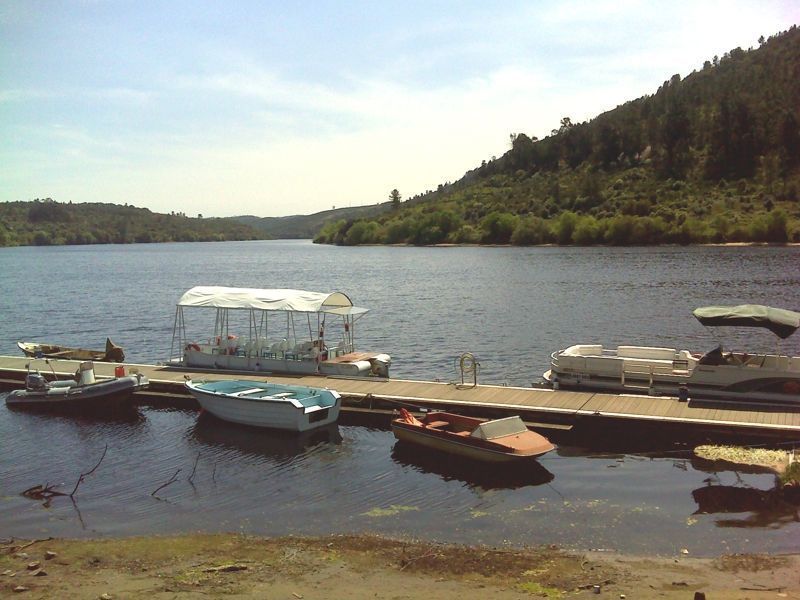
282 350
631 368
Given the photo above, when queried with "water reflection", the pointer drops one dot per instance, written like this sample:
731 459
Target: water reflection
222 436
706 465
122 414
484 476
769 508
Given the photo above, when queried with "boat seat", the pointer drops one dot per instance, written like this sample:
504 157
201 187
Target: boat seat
437 424
248 391
584 350
646 352
283 395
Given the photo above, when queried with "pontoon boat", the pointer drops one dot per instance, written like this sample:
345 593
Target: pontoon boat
773 378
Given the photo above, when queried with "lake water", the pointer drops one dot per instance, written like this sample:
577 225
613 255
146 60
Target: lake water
511 307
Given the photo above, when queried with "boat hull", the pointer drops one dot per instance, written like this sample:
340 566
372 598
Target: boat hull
759 378
103 394
530 445
297 366
112 353
266 412
453 447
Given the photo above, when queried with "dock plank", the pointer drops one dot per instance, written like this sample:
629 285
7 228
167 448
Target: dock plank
562 405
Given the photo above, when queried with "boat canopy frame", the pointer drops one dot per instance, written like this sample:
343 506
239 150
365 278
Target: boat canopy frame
259 303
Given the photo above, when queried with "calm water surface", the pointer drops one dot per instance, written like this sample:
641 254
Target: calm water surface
510 306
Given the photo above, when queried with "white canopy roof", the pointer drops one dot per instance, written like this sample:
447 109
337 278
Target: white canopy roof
283 300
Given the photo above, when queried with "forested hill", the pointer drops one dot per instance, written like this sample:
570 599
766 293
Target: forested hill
713 157
46 222
307 226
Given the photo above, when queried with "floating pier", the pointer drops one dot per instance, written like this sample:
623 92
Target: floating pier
540 408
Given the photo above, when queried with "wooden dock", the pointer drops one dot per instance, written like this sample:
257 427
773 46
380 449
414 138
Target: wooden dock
539 407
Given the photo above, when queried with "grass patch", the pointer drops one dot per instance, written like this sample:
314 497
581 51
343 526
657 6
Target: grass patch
537 589
394 509
791 474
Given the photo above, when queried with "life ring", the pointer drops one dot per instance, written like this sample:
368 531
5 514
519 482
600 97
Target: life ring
193 346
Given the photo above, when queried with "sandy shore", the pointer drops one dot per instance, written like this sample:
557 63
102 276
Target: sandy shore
362 567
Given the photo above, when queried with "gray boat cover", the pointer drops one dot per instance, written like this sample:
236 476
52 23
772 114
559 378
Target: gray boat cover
779 321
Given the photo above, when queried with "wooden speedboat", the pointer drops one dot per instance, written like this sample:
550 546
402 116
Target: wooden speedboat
82 392
112 353
498 440
264 404
745 376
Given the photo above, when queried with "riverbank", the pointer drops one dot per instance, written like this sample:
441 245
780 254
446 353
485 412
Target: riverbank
361 567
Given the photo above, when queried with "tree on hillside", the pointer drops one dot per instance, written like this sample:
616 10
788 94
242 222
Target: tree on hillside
707 157
395 197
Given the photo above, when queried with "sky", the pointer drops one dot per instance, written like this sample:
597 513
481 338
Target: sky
274 108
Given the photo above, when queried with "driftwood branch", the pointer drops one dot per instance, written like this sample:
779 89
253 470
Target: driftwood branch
47 492
406 562
14 548
44 492
172 479
83 475
196 460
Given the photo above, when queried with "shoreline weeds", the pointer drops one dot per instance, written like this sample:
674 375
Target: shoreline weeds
365 566
703 245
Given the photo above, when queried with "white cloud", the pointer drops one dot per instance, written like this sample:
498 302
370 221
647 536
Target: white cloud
223 128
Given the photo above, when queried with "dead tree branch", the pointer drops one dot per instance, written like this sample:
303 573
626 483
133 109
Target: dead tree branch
196 460
172 479
83 475
44 492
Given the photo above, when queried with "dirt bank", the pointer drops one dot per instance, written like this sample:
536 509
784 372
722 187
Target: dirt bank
361 567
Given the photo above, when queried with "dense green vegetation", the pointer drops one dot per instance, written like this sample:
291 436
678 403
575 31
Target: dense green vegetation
307 226
46 222
714 157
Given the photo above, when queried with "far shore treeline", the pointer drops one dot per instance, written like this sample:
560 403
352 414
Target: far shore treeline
714 157
46 222
711 158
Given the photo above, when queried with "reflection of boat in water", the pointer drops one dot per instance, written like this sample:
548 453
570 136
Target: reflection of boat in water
715 374
496 441
125 415
83 392
769 508
112 353
222 435
287 333
488 477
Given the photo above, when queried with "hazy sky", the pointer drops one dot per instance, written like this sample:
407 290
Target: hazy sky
278 107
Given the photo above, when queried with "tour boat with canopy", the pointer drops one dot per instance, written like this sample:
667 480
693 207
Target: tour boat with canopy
743 376
288 331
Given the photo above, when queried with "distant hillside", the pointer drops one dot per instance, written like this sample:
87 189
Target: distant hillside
714 157
307 226
46 222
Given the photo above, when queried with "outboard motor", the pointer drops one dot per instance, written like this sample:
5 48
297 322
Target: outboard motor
86 373
35 382
380 365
